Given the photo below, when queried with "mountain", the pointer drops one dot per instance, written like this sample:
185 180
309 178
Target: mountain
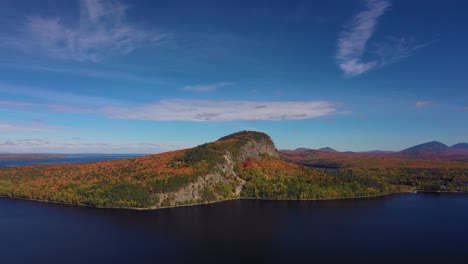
376 151
460 150
433 146
327 149
302 149
208 172
460 146
244 164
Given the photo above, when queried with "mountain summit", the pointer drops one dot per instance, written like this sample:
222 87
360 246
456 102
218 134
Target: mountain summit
433 146
206 173
327 149
460 146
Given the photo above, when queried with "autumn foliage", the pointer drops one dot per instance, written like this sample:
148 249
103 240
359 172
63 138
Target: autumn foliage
138 182
117 183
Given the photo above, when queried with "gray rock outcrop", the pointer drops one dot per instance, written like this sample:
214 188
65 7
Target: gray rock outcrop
223 173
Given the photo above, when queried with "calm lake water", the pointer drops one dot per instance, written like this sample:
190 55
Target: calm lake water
71 158
403 228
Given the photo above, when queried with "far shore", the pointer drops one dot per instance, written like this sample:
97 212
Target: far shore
30 156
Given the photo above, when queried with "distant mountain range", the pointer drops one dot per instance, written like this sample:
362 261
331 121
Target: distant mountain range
437 147
460 146
302 149
429 147
422 155
433 146
326 149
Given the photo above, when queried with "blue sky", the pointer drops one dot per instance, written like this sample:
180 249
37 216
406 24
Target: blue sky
151 76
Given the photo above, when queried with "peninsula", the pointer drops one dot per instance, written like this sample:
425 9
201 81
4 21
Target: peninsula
241 165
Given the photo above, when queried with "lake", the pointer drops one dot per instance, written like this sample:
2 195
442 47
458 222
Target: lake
401 228
68 158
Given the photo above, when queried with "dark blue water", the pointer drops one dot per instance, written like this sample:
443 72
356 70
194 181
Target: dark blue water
321 168
72 158
406 228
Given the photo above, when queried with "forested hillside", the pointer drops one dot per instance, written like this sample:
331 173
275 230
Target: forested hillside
244 164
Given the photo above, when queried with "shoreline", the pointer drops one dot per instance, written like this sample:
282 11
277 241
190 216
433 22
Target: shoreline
427 191
230 199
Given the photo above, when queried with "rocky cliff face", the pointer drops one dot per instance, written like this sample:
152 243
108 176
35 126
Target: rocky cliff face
235 148
255 149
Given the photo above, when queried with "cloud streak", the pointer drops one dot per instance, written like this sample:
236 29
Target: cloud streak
208 110
206 87
53 98
50 146
353 42
423 103
168 110
194 110
79 71
102 31
395 49
62 108
26 127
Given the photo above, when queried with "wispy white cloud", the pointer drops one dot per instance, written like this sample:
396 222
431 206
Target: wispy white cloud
26 127
328 119
53 107
51 146
423 103
169 110
207 110
395 49
356 67
87 72
102 30
353 42
58 99
206 87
